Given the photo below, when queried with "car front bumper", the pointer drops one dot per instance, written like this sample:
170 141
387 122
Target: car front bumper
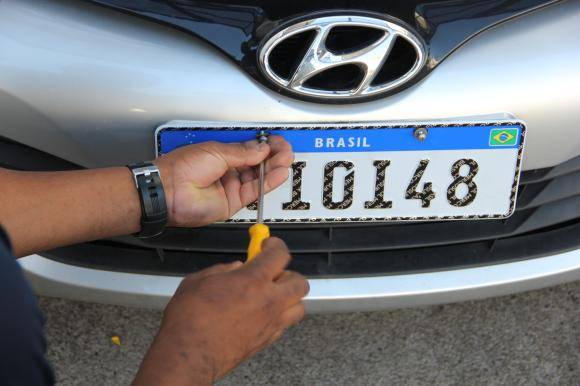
51 278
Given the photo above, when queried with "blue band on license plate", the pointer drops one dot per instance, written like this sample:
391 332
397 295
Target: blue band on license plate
373 139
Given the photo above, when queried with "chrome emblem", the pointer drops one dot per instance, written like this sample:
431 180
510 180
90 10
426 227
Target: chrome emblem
317 59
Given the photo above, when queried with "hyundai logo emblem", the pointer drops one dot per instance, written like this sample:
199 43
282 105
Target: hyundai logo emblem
368 58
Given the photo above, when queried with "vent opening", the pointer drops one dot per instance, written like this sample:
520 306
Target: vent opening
342 78
344 39
286 56
400 61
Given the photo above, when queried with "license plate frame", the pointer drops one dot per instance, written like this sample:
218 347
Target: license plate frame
250 128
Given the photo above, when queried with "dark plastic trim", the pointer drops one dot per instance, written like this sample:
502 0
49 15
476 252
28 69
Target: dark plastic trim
14 155
238 28
123 258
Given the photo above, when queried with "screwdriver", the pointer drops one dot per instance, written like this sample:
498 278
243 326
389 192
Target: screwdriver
259 231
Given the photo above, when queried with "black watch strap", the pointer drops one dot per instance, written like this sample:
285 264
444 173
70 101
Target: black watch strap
152 198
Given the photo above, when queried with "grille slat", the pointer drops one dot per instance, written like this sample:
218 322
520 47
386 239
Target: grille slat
540 193
537 175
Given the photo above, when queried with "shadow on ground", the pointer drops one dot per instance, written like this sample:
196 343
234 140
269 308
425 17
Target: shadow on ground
531 338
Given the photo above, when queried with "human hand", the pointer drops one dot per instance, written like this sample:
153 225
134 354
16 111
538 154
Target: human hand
222 316
211 181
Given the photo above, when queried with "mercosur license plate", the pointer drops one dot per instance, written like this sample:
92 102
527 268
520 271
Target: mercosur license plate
380 171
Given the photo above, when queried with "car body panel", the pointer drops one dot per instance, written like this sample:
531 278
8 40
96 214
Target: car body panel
98 104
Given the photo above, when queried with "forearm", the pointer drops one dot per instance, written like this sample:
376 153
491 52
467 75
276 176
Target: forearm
42 210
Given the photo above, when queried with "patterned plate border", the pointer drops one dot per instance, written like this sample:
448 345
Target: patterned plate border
233 126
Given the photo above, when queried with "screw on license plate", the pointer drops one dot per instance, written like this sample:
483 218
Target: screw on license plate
420 133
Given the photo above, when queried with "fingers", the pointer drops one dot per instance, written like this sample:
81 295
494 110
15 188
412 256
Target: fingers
273 179
281 154
292 315
292 287
240 193
289 317
232 187
247 174
272 261
274 337
251 153
246 192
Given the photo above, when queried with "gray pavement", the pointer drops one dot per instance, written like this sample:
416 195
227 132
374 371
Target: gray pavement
525 339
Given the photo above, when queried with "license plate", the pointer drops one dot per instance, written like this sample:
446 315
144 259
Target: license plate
380 171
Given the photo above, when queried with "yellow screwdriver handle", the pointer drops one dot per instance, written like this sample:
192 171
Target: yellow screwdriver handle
258 233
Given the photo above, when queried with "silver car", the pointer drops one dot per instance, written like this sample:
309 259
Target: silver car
437 142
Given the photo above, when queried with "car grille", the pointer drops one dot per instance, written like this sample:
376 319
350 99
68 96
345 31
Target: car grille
546 221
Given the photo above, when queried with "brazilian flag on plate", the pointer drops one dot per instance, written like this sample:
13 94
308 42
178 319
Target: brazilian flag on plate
503 137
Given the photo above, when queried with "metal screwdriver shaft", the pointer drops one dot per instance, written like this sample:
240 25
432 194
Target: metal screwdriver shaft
259 231
262 138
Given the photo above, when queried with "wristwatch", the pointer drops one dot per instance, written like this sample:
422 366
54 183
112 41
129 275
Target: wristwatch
152 198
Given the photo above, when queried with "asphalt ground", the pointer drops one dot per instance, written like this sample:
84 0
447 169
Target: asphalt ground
525 339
